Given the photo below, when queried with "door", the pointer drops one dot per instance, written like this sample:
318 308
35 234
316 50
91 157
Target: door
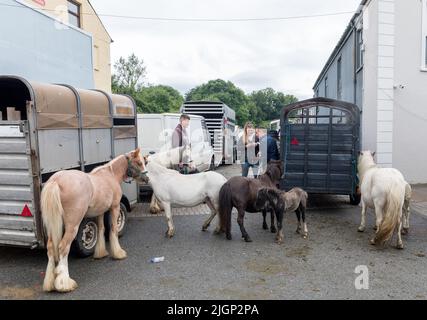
320 150
151 136
17 204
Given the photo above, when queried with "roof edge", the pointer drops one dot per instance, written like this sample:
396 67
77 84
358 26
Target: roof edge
340 43
102 23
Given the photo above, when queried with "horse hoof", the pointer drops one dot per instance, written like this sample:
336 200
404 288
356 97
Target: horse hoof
405 231
273 230
373 242
265 227
279 242
204 229
305 236
361 229
99 256
229 237
375 228
65 284
399 246
120 255
248 239
170 234
49 284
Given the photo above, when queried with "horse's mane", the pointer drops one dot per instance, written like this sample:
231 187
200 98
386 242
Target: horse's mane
108 165
366 163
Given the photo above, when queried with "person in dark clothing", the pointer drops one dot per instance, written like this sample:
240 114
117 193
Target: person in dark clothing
269 146
273 152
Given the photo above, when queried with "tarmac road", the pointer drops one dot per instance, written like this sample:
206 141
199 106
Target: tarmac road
200 265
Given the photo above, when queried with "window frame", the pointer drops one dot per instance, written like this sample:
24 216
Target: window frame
359 49
78 15
424 36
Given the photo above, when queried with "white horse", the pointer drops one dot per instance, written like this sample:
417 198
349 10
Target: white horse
171 187
385 190
166 159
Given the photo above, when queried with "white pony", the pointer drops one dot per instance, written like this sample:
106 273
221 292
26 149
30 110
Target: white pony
385 190
171 187
166 159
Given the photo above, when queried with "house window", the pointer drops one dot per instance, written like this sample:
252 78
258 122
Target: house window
339 79
326 87
359 49
74 13
424 37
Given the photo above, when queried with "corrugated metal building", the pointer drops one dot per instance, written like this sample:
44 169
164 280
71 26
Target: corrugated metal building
380 64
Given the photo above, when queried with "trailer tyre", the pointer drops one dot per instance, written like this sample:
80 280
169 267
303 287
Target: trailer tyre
121 222
86 239
355 199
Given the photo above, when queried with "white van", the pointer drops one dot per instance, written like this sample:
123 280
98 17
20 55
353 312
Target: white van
155 135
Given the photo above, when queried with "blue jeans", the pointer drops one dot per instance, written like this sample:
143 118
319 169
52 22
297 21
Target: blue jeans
245 169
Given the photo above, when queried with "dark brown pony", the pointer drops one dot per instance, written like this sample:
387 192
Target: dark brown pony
241 193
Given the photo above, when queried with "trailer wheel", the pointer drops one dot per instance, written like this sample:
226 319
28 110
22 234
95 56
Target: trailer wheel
86 239
121 221
355 199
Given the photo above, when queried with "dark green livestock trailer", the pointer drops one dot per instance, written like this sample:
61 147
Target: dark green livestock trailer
320 143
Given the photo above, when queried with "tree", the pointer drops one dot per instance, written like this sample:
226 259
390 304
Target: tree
129 75
158 99
224 91
269 103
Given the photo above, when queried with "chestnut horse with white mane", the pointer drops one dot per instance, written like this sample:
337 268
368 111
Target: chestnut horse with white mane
68 197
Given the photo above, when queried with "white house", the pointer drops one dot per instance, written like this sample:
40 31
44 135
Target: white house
380 63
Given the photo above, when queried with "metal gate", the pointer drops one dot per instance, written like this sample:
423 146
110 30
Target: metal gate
17 224
320 143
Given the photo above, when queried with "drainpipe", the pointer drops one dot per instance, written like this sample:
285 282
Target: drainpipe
355 63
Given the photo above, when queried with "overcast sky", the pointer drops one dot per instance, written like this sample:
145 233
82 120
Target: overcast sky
285 55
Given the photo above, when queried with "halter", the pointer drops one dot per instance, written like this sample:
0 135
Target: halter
134 172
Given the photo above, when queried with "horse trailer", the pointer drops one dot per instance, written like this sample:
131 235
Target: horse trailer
46 128
320 142
220 120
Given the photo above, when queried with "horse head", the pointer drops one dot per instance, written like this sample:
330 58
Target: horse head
367 155
366 161
275 170
136 166
269 198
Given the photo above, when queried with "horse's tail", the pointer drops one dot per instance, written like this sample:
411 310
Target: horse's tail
391 214
304 198
52 213
225 207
